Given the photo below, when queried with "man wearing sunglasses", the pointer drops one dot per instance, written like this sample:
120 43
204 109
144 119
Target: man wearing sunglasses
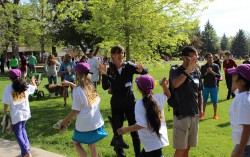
187 84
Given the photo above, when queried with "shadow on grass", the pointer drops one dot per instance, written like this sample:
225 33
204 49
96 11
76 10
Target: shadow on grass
224 125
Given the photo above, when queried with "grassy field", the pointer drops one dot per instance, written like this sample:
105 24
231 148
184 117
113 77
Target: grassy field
214 135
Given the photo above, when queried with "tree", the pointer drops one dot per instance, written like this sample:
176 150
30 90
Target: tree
239 46
210 39
196 38
142 26
224 45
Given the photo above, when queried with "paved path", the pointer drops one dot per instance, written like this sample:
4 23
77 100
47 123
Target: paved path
11 149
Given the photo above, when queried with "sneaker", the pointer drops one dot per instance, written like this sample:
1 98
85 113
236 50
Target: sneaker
203 116
216 117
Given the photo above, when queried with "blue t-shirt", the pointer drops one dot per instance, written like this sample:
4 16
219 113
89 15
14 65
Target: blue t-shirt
66 69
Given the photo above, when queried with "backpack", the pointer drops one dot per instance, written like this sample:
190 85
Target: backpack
173 100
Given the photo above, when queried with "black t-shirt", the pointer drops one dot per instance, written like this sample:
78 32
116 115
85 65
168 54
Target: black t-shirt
210 80
187 92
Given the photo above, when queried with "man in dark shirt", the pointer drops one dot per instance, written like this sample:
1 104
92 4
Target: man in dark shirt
187 84
210 72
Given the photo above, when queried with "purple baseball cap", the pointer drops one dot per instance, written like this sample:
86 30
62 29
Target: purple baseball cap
146 83
14 73
243 70
82 67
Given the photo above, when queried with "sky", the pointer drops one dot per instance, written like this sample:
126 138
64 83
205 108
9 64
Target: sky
227 16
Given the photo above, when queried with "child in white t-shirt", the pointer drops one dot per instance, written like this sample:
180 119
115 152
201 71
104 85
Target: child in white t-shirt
89 122
150 119
239 110
16 97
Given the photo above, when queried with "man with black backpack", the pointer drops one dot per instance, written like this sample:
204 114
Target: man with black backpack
187 85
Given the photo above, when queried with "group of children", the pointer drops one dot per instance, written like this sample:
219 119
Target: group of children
149 112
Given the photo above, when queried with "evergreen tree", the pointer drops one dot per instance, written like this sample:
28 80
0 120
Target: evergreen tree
224 45
239 47
210 39
195 38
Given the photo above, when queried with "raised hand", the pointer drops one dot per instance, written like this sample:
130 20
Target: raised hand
139 67
103 68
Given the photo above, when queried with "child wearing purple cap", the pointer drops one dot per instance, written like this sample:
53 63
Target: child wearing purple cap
16 97
89 122
150 119
239 110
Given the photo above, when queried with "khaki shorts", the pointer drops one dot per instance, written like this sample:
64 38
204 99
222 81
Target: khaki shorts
185 132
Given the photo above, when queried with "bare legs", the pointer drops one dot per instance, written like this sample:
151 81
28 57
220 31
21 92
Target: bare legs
81 152
181 152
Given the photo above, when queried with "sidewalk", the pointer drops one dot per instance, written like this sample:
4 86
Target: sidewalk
11 149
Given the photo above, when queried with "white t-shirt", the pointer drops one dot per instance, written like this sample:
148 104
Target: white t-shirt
18 103
89 118
94 68
239 114
149 139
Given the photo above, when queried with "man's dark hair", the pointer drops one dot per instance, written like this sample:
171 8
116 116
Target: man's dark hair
208 54
188 49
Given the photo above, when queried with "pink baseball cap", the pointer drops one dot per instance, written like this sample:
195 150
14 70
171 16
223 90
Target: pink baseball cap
145 83
82 67
243 70
14 73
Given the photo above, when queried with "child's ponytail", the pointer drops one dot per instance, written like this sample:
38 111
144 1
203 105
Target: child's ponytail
153 114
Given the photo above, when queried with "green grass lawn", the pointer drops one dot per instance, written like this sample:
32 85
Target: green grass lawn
214 135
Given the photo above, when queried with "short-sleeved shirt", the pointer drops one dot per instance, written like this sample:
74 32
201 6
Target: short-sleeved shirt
209 79
94 68
32 60
89 118
14 63
239 115
18 103
149 139
231 63
67 66
187 93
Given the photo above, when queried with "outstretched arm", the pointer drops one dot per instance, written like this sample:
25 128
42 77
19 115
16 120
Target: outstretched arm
128 129
72 114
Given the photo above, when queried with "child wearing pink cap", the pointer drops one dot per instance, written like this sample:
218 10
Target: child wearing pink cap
89 122
16 97
239 110
150 119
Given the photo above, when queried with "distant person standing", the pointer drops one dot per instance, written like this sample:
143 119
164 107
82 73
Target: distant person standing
32 63
51 69
68 75
94 68
210 72
227 64
8 63
217 61
14 62
246 61
23 67
2 61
